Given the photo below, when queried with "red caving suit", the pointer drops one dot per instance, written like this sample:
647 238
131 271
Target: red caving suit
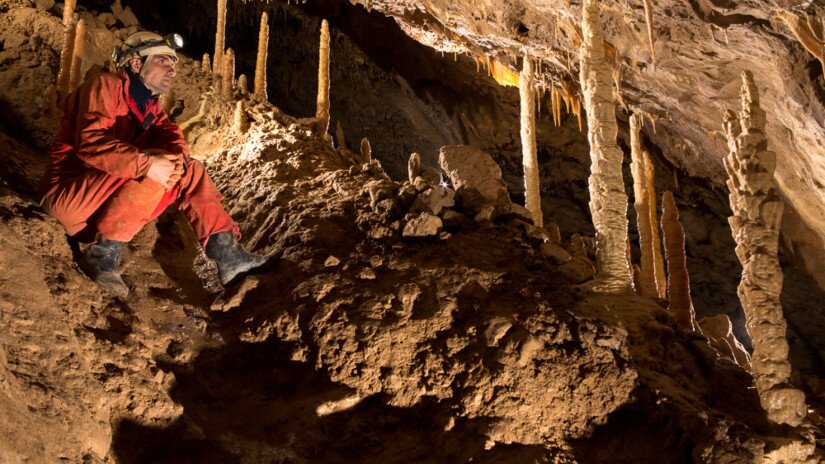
96 183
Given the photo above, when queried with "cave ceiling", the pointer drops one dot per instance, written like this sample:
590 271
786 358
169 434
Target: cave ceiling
700 46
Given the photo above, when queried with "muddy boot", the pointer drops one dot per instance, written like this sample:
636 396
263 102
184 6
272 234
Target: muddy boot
233 261
99 262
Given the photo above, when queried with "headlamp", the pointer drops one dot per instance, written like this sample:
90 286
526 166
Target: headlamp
173 41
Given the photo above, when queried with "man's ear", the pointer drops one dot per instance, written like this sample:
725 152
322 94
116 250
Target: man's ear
135 64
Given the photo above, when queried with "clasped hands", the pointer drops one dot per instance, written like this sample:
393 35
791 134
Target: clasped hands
166 168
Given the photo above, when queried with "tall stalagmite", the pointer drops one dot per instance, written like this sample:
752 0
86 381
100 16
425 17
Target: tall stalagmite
228 74
68 11
655 242
366 150
608 200
76 74
647 278
220 39
65 71
260 62
757 211
532 193
678 279
322 102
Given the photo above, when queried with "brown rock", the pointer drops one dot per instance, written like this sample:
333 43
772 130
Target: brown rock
434 200
424 225
475 176
555 253
577 270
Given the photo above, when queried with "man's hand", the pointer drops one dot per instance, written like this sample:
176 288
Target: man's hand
166 169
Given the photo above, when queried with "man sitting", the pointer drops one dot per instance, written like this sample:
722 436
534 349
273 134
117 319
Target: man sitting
118 162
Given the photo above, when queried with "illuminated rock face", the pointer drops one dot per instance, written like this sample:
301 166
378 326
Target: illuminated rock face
757 210
608 200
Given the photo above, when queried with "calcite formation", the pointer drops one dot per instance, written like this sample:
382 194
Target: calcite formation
757 211
647 274
608 200
322 102
413 167
530 162
655 242
678 282
228 74
220 39
260 61
366 151
76 73
64 73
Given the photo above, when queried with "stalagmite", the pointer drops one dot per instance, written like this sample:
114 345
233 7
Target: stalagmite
260 62
413 167
757 211
322 102
240 122
649 19
608 200
220 38
340 137
532 193
76 74
678 279
68 12
228 75
64 73
366 151
647 274
206 66
242 84
655 242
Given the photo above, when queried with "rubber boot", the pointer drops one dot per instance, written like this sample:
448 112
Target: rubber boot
99 262
233 261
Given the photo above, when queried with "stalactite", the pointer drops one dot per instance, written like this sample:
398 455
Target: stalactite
655 242
803 33
608 200
649 20
220 39
260 62
66 55
228 75
757 211
528 143
340 137
322 102
647 275
242 84
366 151
413 167
76 73
678 279
240 122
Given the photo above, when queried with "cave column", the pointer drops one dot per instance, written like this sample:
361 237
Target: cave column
647 281
757 211
608 200
532 194
322 102
260 62
220 39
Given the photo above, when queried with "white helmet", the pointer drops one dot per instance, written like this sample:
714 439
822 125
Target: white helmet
146 43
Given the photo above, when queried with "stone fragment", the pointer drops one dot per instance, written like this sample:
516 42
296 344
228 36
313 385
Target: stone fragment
553 232
407 194
434 200
454 220
126 17
332 261
475 176
424 225
413 167
513 211
431 175
719 331
485 214
496 329
555 253
232 297
44 5
578 270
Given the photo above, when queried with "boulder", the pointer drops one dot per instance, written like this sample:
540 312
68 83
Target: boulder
434 200
423 225
475 176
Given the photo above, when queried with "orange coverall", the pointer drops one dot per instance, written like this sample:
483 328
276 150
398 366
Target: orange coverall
95 182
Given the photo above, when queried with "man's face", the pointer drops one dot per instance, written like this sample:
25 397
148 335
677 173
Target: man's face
159 73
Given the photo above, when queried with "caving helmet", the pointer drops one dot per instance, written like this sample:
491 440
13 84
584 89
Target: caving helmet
144 44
